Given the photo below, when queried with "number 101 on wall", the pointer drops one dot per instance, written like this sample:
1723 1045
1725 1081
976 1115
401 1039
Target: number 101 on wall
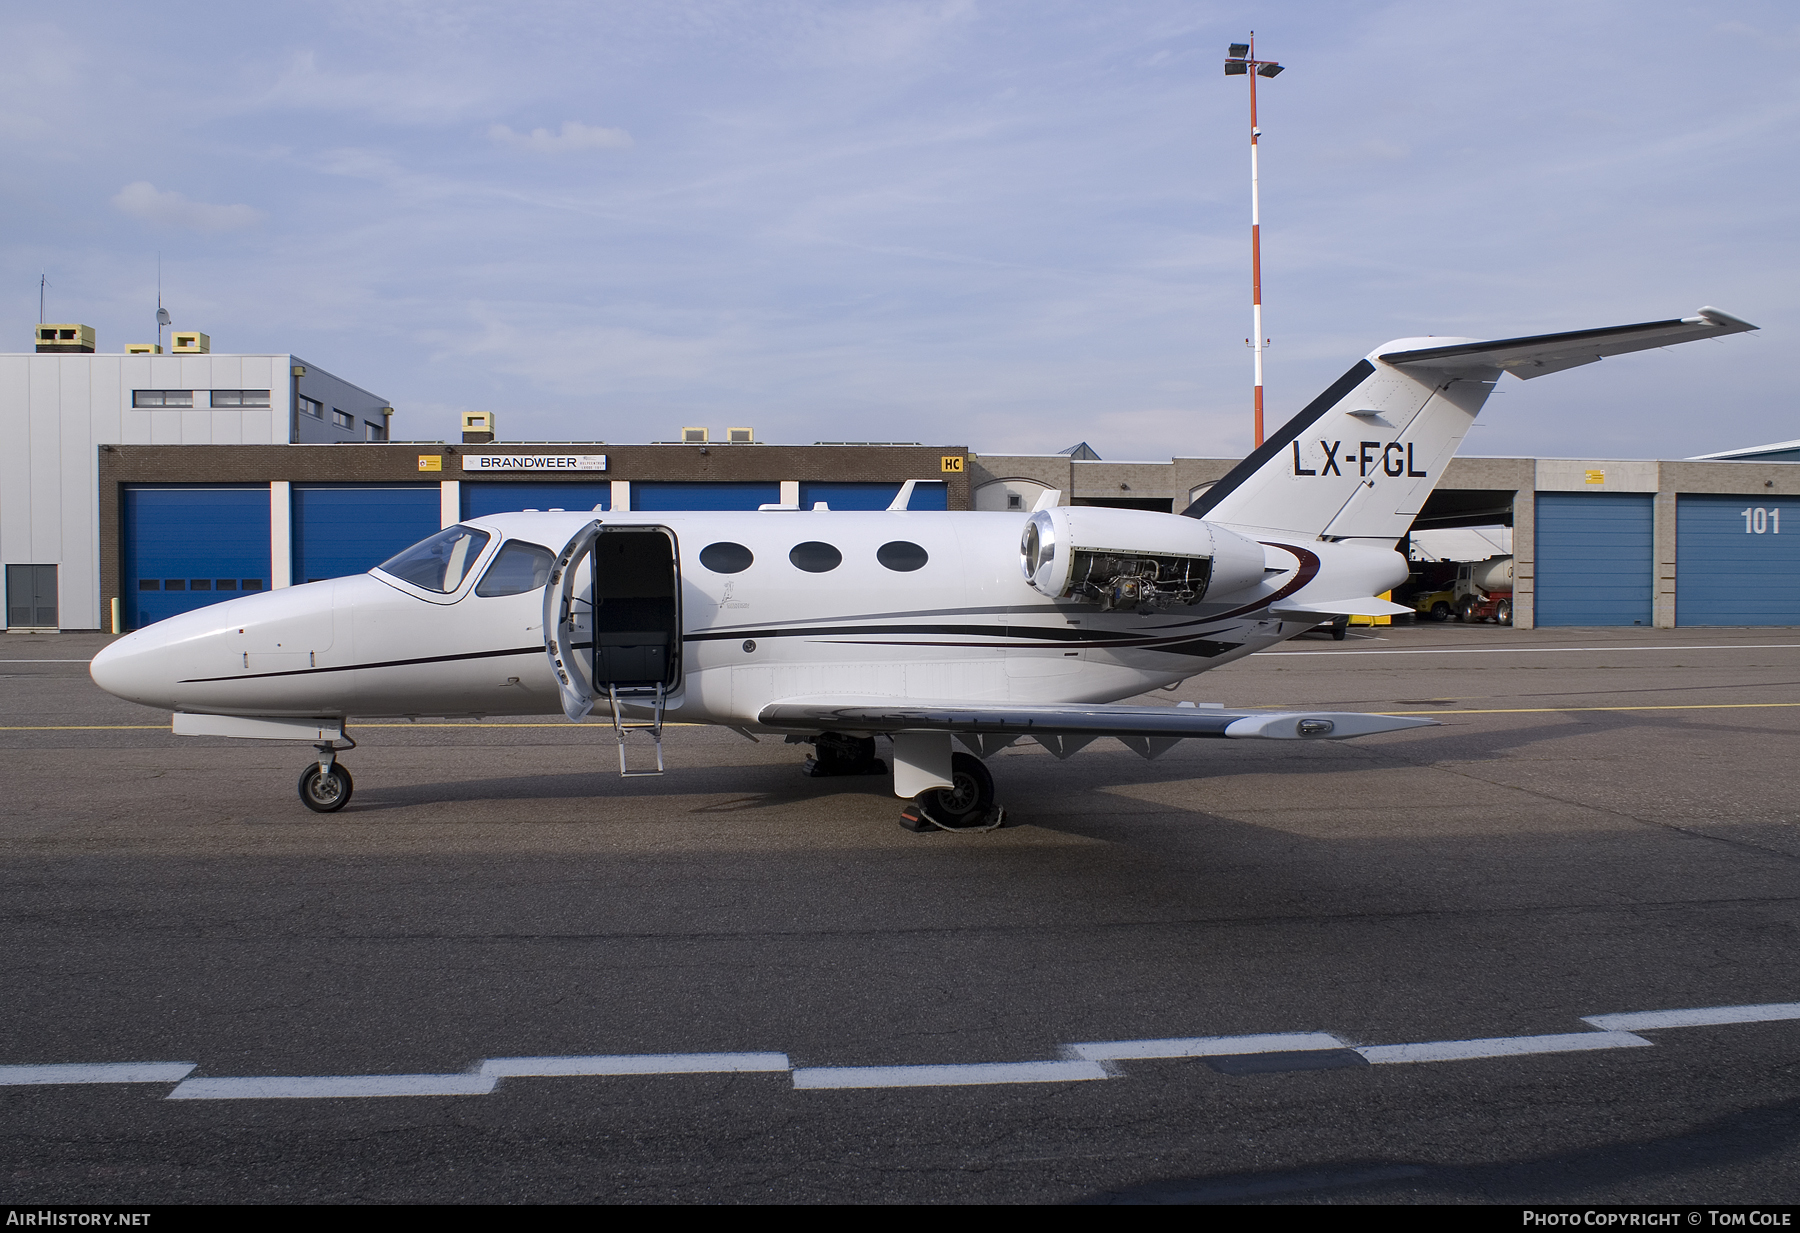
1760 521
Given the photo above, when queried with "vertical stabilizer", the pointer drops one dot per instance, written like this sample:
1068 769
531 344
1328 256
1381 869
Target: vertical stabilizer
1360 460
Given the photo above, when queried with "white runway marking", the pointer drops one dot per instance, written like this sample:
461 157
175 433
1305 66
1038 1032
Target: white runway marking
1704 1016
1202 1046
946 1076
328 1087
103 1072
633 1064
46 661
1082 1062
1499 1046
1538 650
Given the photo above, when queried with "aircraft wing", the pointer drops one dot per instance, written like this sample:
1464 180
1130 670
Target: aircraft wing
1541 354
1014 719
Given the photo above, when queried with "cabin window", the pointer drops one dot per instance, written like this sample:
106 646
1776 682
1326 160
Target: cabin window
440 563
519 568
815 557
726 557
902 556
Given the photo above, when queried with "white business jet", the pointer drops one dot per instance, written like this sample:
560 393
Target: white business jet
833 628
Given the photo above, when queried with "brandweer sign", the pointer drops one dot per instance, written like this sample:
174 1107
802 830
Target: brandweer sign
534 462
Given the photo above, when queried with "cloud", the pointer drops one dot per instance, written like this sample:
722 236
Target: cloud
574 136
144 200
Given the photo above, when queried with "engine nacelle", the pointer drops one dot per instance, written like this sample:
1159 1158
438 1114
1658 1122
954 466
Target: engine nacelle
1134 559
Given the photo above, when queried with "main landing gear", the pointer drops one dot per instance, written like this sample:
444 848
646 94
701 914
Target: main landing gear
325 786
835 754
967 805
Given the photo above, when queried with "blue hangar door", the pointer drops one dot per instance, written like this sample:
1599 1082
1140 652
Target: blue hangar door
1595 558
343 529
507 497
676 494
929 494
185 546
1737 560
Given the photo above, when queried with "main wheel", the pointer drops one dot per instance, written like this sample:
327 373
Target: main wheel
969 798
325 791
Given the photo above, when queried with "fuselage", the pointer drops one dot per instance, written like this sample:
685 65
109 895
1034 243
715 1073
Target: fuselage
919 605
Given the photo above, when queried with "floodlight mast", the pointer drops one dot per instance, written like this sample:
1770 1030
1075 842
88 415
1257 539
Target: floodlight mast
1242 62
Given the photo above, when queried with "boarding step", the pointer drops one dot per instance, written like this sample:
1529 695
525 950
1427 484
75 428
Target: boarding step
653 726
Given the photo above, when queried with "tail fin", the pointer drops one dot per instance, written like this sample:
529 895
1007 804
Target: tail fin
1360 460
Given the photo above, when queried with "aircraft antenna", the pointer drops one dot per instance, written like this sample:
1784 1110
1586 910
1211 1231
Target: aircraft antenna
162 314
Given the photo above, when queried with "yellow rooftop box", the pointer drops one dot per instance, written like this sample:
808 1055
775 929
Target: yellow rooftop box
65 339
189 342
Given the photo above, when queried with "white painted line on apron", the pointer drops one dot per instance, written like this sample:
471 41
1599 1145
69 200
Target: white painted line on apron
946 1076
1499 1046
330 1087
1701 1016
633 1064
1202 1046
101 1072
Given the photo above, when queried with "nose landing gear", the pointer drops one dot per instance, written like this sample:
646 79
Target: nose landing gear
325 786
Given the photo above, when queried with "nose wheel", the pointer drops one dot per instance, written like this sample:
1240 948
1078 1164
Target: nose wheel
325 786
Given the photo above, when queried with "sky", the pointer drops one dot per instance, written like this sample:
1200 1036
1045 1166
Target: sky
1007 225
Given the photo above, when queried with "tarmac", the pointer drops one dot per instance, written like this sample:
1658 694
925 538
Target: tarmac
1546 952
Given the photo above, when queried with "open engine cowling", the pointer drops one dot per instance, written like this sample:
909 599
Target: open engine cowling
1134 559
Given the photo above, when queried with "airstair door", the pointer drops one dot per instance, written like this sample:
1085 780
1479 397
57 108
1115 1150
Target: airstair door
636 611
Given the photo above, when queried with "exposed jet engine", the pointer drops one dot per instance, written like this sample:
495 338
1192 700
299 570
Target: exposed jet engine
1134 559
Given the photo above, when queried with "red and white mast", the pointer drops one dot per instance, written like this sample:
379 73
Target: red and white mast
1243 61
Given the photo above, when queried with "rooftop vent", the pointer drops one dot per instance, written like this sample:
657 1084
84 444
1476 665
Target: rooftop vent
65 339
143 348
189 342
477 427
693 436
740 436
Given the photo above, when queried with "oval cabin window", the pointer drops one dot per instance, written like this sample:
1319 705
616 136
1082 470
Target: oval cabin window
726 558
901 556
815 557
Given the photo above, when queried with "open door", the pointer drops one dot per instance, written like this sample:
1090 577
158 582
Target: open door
613 609
637 610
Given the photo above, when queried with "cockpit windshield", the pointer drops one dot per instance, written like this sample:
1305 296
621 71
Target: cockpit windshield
441 562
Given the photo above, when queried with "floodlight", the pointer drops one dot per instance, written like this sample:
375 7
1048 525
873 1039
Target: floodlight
1235 68
1238 51
1267 70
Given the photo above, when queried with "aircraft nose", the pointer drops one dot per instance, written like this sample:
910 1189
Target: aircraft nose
133 669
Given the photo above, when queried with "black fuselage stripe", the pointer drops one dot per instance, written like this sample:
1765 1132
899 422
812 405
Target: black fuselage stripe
390 663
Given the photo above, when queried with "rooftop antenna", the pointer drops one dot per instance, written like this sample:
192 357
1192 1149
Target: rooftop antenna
162 314
43 281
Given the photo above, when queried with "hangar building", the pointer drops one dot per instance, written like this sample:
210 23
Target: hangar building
142 485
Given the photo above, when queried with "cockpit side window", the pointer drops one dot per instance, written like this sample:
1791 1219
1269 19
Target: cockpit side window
519 568
440 563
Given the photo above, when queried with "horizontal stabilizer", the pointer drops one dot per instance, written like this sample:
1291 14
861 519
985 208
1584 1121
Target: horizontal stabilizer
1541 354
1061 720
1368 606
